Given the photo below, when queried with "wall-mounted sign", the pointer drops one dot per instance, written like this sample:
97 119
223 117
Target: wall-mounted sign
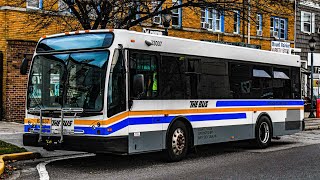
153 31
281 47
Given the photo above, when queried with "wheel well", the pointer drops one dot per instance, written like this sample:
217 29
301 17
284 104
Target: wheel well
188 125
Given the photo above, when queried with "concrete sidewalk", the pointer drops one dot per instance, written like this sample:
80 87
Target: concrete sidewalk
311 123
11 132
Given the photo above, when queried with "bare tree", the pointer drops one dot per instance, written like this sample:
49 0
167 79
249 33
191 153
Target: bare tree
124 14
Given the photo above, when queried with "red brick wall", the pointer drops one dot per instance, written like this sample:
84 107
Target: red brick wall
15 83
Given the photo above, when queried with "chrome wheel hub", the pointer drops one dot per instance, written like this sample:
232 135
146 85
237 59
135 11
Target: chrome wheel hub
178 141
264 132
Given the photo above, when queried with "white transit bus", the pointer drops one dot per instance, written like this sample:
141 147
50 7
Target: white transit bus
127 92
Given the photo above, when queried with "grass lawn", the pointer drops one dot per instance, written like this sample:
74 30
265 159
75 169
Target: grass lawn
6 148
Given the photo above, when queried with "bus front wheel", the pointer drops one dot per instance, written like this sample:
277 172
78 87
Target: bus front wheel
263 132
177 142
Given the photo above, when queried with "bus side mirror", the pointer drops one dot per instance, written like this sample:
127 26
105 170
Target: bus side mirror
24 66
138 85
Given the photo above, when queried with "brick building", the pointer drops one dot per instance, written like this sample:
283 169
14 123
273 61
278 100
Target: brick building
308 26
220 26
16 39
200 24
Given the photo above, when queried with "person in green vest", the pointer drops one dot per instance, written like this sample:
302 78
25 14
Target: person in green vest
155 84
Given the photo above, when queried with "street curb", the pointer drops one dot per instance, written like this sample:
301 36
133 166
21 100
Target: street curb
309 128
16 156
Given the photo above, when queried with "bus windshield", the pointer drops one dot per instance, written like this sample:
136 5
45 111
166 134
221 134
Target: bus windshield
71 80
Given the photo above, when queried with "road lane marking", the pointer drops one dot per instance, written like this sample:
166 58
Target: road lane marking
41 167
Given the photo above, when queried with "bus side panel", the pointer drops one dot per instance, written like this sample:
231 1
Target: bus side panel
224 130
290 124
222 134
146 141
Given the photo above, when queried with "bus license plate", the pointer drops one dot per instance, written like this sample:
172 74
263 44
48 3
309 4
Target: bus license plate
68 126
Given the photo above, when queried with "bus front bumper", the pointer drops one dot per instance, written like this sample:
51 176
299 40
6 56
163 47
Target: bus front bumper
92 144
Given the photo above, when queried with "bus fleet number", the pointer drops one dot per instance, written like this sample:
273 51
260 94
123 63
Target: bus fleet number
156 43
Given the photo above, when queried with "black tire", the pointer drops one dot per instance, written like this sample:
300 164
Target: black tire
178 134
263 132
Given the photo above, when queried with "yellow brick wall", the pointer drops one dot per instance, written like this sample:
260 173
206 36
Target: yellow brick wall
17 25
191 27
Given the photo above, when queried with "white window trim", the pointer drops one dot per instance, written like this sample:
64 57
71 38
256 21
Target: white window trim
33 7
312 23
214 19
179 14
237 22
259 24
211 26
216 13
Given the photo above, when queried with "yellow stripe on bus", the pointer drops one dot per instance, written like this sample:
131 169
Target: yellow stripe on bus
170 112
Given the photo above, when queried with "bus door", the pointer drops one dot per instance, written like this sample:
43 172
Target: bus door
144 130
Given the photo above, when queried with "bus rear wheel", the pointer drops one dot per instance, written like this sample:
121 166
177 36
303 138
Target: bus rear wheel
263 132
177 142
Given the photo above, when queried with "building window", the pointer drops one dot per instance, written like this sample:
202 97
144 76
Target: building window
236 22
63 7
203 19
259 24
156 19
34 4
176 14
307 22
212 20
138 10
279 28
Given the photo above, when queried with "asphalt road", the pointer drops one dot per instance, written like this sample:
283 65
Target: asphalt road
293 157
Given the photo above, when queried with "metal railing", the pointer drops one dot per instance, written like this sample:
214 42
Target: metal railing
62 110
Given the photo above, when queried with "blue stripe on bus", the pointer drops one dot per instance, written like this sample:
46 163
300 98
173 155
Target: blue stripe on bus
216 117
158 120
45 128
150 120
259 103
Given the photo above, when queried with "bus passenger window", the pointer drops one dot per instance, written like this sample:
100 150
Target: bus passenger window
147 65
281 83
173 77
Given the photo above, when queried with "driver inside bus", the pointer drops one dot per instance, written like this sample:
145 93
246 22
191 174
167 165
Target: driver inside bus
152 86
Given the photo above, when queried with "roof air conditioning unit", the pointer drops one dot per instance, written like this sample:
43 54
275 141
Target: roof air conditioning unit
259 33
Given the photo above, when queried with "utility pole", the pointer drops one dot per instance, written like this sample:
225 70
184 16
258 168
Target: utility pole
243 21
249 9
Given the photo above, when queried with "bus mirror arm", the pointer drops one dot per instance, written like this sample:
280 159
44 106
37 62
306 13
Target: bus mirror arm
24 65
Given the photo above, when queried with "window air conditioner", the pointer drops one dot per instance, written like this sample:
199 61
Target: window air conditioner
207 25
259 33
156 19
318 30
275 34
204 25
